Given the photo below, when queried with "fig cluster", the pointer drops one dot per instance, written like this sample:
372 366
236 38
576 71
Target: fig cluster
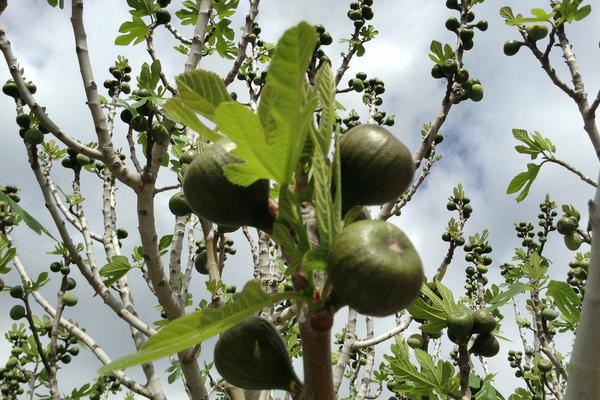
360 12
464 323
201 260
121 77
567 226
142 119
11 90
533 33
75 161
8 217
578 273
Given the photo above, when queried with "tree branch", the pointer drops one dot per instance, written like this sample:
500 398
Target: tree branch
243 43
195 53
369 342
109 155
574 170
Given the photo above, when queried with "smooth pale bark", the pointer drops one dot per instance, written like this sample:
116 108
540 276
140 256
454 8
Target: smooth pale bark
584 368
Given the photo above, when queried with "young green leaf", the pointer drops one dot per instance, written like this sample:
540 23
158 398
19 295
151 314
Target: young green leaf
133 31
325 85
31 222
117 268
287 101
523 181
202 92
198 326
178 111
262 160
565 299
321 174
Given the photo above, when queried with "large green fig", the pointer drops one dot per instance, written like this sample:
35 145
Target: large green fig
485 345
374 268
460 324
376 167
212 196
252 355
483 321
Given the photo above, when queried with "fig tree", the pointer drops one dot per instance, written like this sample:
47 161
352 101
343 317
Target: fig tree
374 268
375 166
212 196
252 355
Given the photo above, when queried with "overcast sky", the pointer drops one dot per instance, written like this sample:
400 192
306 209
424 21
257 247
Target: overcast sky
478 149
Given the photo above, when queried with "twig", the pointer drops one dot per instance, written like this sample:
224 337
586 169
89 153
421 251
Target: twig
407 196
382 338
154 57
132 150
167 188
574 170
50 366
178 35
